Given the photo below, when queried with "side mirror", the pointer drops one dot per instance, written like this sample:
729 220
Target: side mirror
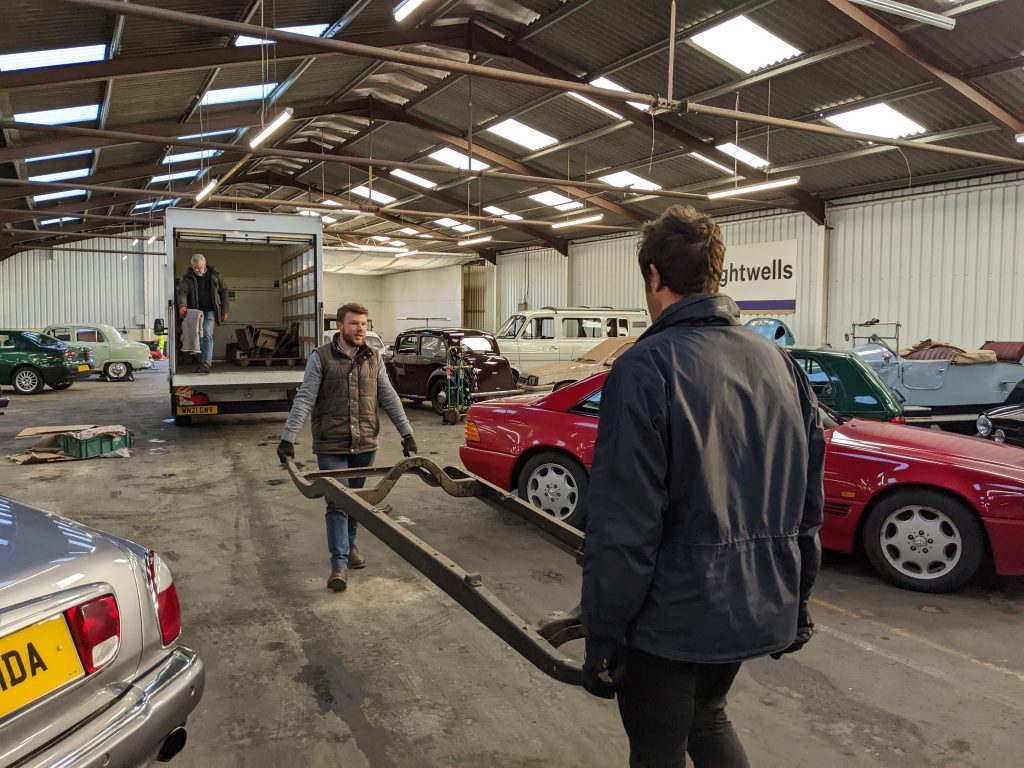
159 327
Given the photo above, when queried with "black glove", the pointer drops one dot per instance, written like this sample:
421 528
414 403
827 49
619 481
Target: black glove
600 667
804 630
408 445
285 451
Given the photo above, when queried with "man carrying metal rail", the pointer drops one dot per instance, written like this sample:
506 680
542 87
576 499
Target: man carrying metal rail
704 507
344 385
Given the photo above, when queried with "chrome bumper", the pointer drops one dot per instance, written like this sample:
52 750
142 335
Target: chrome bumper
132 731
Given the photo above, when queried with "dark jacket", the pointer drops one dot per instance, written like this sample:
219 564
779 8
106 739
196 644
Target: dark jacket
705 494
187 293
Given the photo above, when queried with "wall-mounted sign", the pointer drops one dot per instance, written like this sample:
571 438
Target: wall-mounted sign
761 278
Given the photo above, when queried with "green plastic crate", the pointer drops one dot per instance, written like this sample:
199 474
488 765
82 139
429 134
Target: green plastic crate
94 446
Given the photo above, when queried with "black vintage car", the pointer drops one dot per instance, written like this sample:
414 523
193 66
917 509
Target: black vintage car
1004 424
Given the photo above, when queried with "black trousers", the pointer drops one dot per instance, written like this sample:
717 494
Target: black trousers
669 708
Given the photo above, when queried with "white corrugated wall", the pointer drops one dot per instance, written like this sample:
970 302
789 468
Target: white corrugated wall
604 273
946 263
90 281
537 276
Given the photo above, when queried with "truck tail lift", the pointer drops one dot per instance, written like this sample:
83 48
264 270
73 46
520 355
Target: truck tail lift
539 645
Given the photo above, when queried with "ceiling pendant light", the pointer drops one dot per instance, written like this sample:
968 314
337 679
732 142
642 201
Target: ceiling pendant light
404 9
206 191
274 125
151 240
751 188
475 240
575 222
135 242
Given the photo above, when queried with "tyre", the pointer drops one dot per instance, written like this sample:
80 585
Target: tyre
27 380
561 384
439 396
924 540
117 371
557 484
63 384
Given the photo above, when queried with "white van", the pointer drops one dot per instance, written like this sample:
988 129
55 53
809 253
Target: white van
548 335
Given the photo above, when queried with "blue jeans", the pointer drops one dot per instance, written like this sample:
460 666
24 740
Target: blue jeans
206 340
341 529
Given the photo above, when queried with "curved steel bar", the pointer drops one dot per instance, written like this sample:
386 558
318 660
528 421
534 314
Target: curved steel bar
465 588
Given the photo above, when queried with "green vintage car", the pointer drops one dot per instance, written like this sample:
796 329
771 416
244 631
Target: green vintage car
28 360
115 356
844 383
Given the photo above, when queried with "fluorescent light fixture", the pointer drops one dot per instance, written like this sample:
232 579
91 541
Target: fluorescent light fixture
177 175
449 156
712 163
909 12
60 116
207 134
58 157
877 120
464 228
595 105
747 158
206 191
409 231
58 195
751 188
627 179
406 253
61 220
419 181
61 176
241 93
397 243
555 200
744 44
374 195
54 57
274 125
604 82
310 30
405 8
522 134
328 220
151 240
380 238
1020 138
186 157
135 242
503 213
475 240
446 222
575 222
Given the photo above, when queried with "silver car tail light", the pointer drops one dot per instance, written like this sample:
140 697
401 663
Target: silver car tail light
96 629
168 609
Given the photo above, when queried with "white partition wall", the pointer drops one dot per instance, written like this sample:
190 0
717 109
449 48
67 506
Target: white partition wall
537 277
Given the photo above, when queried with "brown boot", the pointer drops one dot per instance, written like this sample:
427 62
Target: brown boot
355 560
338 580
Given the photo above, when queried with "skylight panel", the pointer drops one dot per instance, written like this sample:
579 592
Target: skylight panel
522 134
61 220
419 181
604 82
711 162
174 176
446 222
310 30
455 159
61 176
241 93
53 57
595 105
409 231
58 157
503 213
207 134
397 243
185 157
58 195
745 157
877 120
165 201
555 200
60 116
378 197
464 228
745 45
627 179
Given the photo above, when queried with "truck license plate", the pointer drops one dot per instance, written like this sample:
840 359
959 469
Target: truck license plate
195 410
36 660
82 368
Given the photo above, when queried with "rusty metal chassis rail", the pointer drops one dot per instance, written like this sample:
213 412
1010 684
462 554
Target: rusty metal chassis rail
465 588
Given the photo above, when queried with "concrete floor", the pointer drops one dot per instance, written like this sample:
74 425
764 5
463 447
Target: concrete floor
393 673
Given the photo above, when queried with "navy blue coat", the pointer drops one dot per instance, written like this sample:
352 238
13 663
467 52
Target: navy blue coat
705 495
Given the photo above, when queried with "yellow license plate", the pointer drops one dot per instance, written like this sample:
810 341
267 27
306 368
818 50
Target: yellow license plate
195 410
82 368
35 661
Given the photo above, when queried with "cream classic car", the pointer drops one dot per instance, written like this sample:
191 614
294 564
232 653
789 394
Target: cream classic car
552 376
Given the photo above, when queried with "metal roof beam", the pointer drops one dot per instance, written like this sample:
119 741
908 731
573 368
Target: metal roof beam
912 53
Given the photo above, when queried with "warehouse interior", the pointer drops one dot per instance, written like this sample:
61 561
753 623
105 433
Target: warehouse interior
452 164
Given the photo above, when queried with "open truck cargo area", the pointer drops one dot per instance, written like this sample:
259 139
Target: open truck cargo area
271 266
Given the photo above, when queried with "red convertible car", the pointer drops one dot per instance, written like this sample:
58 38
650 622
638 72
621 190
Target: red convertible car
925 506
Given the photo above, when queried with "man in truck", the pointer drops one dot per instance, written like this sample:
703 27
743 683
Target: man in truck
202 288
344 386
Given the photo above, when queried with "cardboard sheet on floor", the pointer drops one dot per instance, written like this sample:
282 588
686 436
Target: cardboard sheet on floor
39 431
48 450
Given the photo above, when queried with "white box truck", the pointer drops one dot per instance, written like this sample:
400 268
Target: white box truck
272 266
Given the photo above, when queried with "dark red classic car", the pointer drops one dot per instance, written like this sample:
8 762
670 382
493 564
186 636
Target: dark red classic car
417 364
926 507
